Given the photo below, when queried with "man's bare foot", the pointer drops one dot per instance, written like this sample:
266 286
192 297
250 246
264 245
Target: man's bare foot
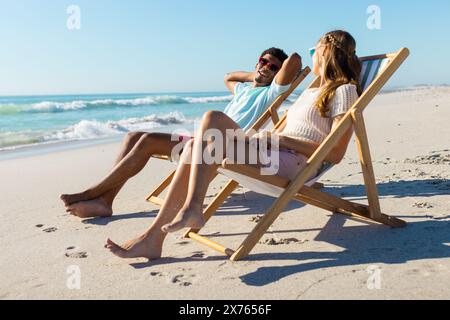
69 199
142 247
91 209
186 218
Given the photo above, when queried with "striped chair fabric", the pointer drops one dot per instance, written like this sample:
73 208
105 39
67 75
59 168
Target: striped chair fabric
370 70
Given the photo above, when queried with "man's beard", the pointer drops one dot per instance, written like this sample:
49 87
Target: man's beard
259 80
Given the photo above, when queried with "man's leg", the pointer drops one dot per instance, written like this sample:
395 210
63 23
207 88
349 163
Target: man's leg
97 201
130 141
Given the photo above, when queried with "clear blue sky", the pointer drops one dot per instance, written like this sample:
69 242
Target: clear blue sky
188 45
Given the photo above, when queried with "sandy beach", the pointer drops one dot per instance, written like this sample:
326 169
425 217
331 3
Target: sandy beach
309 254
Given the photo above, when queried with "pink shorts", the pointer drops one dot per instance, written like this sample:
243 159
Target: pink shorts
290 163
185 138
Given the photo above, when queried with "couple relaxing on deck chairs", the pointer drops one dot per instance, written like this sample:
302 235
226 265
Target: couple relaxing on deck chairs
309 121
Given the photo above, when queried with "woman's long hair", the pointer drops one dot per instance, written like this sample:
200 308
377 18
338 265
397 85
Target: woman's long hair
341 66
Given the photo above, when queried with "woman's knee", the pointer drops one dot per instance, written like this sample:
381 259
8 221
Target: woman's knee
189 146
186 155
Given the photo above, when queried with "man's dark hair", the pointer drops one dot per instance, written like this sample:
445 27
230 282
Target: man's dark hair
277 53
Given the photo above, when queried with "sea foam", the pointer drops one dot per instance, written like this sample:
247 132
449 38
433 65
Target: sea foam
87 130
53 106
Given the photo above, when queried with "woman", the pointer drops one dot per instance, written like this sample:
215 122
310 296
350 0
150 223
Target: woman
309 122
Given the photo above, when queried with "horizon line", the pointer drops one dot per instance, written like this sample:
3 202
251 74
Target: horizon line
186 92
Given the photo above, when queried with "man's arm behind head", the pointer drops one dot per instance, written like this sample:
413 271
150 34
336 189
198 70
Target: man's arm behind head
289 71
231 79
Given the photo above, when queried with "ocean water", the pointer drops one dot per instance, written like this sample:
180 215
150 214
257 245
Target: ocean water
52 120
26 121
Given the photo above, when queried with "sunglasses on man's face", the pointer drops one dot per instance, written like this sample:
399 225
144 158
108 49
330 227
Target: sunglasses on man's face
272 67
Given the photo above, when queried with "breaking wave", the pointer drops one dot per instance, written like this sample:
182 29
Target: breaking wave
87 130
52 106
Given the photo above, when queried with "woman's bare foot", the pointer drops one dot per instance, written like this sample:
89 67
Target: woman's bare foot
69 199
91 209
142 247
186 218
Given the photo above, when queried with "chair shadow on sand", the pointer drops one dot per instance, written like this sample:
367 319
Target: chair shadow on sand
361 245
397 189
371 243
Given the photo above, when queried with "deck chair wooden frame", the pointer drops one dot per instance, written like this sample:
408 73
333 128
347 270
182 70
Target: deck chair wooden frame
270 114
296 189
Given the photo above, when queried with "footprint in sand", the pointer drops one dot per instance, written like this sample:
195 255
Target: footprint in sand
423 205
50 230
77 255
256 219
158 274
73 254
433 158
198 255
181 280
39 226
274 242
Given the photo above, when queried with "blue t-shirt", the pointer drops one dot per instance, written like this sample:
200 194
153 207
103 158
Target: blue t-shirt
249 103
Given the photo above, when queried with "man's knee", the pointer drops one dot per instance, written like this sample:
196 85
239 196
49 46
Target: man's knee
134 136
213 116
149 139
146 143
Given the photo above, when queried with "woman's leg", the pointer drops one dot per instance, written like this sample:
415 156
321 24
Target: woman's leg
190 216
150 244
137 150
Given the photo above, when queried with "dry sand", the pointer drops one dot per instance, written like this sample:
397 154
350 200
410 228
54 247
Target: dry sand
308 254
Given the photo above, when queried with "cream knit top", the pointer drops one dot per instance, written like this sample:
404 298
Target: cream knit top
304 120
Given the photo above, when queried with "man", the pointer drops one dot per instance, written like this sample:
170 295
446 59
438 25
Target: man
253 93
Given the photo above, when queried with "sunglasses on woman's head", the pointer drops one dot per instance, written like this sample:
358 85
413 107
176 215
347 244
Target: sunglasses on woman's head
312 51
272 67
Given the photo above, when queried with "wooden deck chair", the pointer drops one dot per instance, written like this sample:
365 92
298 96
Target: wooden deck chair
270 114
377 70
